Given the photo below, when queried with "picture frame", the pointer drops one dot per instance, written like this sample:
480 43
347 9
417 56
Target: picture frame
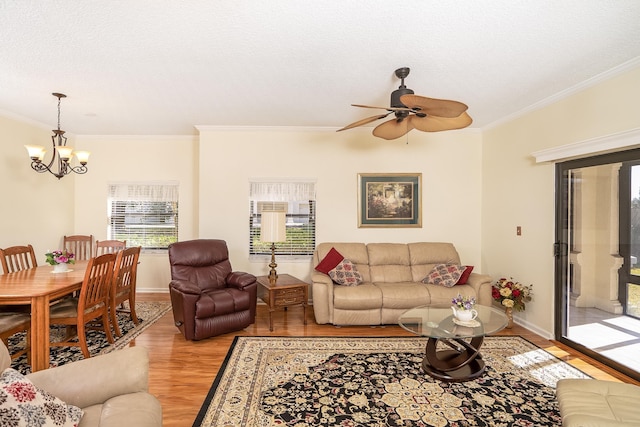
389 200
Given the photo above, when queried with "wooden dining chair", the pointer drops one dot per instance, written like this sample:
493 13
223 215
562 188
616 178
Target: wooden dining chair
93 304
16 318
80 245
124 285
109 246
17 258
11 324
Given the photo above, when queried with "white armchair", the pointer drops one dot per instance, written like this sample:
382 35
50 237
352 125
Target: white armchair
112 389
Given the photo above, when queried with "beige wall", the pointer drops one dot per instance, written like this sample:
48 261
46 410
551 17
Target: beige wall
449 164
142 158
517 191
36 208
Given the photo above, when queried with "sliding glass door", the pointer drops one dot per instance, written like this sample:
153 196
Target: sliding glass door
597 258
630 238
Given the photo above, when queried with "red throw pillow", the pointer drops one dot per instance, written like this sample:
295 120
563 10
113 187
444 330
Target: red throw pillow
465 275
330 261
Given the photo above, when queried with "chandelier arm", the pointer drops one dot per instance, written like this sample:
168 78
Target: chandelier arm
81 169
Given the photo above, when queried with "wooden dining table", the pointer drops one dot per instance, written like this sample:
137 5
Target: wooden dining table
37 287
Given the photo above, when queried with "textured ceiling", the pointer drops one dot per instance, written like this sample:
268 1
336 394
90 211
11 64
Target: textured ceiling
152 67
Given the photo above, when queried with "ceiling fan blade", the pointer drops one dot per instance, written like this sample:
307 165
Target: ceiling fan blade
364 121
437 124
392 129
433 106
382 108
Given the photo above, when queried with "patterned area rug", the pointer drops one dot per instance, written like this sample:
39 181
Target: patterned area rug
320 381
148 313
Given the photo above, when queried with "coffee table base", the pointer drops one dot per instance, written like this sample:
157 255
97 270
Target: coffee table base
462 363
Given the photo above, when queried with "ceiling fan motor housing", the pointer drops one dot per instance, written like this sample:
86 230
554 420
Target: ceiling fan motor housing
395 100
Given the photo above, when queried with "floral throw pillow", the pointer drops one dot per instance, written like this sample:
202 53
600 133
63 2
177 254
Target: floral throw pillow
24 404
345 273
444 275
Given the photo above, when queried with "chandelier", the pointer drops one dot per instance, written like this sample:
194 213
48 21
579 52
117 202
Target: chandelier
59 165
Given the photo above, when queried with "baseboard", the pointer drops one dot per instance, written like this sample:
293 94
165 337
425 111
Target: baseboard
533 328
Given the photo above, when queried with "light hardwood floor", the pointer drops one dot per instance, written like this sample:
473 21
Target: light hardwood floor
182 372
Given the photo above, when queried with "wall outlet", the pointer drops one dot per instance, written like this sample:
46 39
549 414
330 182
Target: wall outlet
518 231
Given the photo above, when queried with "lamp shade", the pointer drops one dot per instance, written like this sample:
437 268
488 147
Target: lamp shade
273 226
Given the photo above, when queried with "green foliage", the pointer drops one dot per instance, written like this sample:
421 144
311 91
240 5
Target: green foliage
300 241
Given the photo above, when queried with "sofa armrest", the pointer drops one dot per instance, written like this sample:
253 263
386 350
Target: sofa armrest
322 297
481 283
240 280
97 379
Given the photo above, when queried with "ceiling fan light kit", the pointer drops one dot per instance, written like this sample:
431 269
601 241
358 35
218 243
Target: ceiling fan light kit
415 112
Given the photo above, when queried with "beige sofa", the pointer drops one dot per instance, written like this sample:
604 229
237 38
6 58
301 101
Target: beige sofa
110 389
598 403
392 275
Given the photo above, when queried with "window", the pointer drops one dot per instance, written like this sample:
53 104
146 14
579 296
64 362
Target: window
297 199
143 214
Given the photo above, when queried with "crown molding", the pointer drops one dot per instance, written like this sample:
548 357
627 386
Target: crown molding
609 143
137 137
609 74
214 128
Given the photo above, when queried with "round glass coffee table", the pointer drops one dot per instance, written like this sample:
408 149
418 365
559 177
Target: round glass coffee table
461 361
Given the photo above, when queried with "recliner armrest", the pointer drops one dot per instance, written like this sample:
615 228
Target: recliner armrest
185 287
240 280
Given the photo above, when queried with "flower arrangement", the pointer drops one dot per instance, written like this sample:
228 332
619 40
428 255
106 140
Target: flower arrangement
511 294
60 257
463 303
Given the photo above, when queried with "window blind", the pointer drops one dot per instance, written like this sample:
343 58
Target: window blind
297 199
143 214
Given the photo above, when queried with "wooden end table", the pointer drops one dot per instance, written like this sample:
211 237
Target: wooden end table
286 291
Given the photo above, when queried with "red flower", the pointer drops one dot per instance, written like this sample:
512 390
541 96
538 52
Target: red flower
21 391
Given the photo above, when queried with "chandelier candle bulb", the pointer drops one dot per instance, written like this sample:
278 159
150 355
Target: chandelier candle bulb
36 152
66 153
82 156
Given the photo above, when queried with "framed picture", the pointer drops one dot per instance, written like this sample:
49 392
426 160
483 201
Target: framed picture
389 200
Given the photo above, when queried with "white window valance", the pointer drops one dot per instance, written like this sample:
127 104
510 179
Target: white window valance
145 192
275 190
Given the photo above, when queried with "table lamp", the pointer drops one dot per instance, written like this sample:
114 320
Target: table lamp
273 229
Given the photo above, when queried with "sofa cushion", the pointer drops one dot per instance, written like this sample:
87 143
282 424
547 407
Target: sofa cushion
24 404
354 252
464 278
425 255
444 275
345 273
363 297
404 295
389 262
590 402
330 261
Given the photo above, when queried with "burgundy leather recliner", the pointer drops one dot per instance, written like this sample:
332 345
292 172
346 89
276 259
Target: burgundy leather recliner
207 297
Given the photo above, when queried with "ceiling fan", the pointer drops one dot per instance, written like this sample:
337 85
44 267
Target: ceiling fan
415 112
